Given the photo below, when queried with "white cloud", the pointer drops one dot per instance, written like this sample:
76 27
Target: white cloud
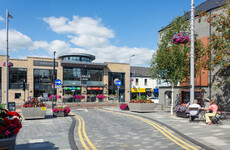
16 40
84 31
1 18
122 54
56 45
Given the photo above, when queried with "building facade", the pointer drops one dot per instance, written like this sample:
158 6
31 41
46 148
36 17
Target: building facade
141 83
77 71
203 88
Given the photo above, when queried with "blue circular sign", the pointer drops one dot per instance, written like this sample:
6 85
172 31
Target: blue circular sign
58 82
118 83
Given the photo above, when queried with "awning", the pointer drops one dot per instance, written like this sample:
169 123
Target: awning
155 90
136 90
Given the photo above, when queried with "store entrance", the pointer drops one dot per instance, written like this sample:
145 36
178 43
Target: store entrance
92 95
69 94
185 96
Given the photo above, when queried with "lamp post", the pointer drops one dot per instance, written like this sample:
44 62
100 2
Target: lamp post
7 20
192 86
130 94
53 98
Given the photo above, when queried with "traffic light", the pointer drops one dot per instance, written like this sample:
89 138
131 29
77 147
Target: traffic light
24 86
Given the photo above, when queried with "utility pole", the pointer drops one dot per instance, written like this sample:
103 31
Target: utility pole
192 86
53 98
6 87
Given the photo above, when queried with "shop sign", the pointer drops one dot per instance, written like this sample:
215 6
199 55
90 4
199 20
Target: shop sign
95 88
84 77
70 88
45 63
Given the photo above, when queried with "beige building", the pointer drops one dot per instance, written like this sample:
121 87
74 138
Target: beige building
78 74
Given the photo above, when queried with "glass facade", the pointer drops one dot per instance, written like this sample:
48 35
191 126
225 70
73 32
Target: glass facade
43 81
82 76
16 77
113 86
77 58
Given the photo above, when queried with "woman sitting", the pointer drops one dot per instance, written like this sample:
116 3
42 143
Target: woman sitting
214 109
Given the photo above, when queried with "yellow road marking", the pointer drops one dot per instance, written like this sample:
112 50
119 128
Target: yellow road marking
86 137
80 135
82 123
158 127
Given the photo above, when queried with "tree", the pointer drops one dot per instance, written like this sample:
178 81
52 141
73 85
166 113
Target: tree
171 61
218 48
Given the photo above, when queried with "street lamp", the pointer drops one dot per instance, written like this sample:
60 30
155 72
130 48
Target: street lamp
130 76
192 55
53 98
7 20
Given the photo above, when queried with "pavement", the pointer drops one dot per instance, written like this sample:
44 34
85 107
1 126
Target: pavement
58 133
213 136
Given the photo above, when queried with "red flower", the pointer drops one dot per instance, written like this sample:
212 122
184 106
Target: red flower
16 130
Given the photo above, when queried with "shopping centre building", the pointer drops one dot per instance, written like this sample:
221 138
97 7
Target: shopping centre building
77 71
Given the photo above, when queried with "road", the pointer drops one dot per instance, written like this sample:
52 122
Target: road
102 129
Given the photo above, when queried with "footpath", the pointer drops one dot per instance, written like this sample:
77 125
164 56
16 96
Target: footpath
214 136
44 134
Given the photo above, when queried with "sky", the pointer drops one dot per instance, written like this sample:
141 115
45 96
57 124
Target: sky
112 30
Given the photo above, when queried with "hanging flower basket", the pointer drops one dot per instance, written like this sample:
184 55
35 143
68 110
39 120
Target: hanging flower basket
180 38
10 64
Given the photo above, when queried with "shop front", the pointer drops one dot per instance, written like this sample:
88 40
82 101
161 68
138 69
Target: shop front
93 92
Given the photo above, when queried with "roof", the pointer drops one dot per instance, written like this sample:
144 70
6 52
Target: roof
83 64
140 71
92 57
206 6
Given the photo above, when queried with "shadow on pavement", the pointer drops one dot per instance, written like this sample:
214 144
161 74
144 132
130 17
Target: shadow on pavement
36 146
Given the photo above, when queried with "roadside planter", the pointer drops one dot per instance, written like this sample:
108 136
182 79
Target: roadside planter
10 125
33 109
142 107
182 111
8 143
34 112
61 111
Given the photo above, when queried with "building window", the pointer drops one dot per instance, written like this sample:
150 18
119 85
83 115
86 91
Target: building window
17 95
43 81
146 83
136 81
17 77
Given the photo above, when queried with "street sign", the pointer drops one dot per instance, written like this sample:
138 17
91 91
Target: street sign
115 80
118 83
58 82
58 86
73 89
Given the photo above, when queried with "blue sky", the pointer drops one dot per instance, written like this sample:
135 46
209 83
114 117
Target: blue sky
112 30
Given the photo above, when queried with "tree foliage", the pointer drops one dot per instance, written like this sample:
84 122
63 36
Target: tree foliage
218 48
171 62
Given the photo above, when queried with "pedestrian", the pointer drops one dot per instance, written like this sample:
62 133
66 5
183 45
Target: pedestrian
214 109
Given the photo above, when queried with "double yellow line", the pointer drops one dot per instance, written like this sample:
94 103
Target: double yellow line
81 130
165 132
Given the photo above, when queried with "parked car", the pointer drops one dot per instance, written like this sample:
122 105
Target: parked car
154 99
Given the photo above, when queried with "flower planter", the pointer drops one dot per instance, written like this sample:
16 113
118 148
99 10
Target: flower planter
34 112
181 114
142 107
8 143
59 114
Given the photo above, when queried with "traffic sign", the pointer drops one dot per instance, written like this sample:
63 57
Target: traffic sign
73 88
115 80
118 83
58 82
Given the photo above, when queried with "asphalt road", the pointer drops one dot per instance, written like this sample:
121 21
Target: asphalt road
100 129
